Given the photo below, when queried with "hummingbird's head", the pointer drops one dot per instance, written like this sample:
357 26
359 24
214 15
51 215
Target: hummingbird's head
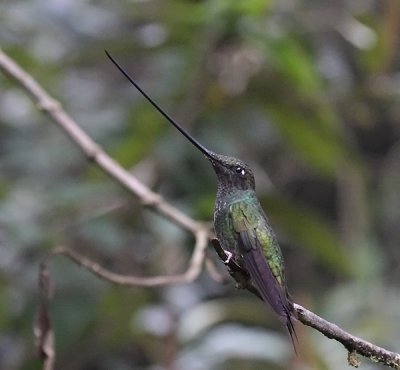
231 172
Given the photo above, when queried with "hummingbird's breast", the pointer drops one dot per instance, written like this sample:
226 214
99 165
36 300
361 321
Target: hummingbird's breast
222 221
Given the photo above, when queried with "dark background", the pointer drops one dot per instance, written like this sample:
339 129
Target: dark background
306 92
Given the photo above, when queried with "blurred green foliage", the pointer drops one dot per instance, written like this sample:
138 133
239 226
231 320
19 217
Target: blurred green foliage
306 92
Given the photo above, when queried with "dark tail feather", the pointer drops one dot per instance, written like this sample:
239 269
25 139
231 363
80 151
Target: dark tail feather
270 291
291 330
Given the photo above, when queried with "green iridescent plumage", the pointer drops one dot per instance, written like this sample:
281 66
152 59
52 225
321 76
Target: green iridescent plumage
247 216
244 232
241 225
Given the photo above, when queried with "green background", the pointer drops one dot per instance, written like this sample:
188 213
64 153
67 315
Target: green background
306 92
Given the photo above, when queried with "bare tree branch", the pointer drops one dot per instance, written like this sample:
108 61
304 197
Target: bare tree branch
90 149
42 328
148 198
192 272
353 344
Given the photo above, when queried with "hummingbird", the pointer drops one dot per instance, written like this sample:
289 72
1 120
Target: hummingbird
241 225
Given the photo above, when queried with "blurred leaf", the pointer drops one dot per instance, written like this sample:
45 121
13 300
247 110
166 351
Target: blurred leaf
145 124
311 135
117 310
294 64
308 230
246 8
181 14
374 58
73 317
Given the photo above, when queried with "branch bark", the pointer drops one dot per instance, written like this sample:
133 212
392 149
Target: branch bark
353 344
191 274
94 153
42 328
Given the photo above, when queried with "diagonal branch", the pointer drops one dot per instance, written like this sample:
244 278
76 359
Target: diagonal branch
91 149
148 198
353 344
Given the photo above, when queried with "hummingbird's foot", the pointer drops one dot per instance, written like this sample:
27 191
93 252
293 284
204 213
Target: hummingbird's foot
228 256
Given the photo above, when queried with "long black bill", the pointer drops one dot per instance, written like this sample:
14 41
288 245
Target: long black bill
203 149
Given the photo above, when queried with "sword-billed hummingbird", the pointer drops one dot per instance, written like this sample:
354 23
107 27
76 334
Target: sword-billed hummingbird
241 226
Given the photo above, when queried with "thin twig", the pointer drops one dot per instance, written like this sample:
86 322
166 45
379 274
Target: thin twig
94 153
192 272
42 328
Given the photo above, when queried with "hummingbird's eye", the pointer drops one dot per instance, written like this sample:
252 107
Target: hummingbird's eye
240 170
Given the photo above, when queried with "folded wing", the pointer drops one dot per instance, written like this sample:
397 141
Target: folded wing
263 261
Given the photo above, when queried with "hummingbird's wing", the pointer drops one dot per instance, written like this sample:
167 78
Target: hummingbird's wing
263 260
